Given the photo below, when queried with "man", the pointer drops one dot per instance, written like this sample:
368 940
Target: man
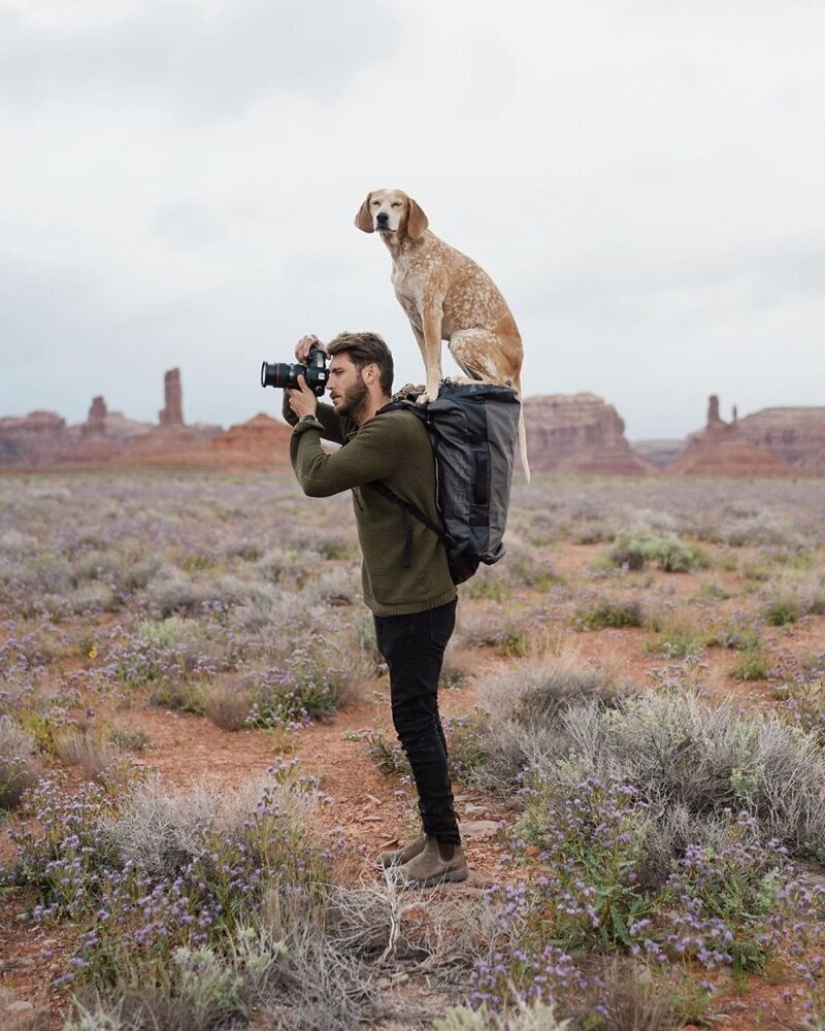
405 577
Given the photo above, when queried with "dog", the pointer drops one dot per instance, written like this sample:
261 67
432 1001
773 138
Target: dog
446 296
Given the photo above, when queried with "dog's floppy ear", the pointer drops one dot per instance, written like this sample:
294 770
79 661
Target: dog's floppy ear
416 220
363 219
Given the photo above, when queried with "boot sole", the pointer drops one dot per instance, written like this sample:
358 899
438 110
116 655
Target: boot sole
450 877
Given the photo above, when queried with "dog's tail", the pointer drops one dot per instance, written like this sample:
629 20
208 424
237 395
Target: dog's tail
522 432
522 445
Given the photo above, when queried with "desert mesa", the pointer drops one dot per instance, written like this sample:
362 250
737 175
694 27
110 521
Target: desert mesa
567 434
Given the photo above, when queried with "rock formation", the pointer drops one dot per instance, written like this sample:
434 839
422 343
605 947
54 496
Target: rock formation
723 449
95 424
172 412
169 446
38 438
793 435
577 433
262 442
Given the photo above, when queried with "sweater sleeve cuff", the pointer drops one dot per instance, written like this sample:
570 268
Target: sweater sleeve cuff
307 424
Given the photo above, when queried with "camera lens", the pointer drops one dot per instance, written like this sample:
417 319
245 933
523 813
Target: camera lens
282 374
279 374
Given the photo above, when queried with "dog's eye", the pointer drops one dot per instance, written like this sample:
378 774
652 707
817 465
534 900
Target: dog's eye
396 204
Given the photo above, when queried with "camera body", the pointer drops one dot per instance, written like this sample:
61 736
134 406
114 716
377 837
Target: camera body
285 374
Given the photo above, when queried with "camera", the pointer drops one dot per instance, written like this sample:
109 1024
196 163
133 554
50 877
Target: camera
285 374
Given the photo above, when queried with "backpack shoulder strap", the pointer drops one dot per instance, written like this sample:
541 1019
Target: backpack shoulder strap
401 405
414 510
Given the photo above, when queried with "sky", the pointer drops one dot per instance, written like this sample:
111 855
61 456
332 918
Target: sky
643 179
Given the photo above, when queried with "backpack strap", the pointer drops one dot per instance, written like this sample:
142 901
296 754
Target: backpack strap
408 404
412 510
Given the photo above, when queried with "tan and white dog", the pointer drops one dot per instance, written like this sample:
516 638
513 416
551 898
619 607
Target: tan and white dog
446 296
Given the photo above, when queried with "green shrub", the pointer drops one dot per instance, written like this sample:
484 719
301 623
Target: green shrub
633 550
782 611
751 665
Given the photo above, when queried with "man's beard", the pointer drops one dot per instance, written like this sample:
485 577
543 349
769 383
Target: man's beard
353 401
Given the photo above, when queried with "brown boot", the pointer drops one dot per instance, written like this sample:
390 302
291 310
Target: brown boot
402 855
428 868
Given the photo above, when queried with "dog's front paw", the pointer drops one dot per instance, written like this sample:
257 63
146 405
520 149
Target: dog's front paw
408 391
423 398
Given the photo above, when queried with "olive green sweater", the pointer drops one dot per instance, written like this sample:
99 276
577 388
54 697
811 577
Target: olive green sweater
393 447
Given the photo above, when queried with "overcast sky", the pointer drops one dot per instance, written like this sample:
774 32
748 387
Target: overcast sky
644 180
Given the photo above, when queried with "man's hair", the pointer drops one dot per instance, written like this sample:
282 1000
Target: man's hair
366 349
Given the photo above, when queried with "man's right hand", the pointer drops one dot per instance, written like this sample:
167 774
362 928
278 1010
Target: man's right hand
306 344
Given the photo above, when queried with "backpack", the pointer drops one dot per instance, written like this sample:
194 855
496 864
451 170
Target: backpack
473 429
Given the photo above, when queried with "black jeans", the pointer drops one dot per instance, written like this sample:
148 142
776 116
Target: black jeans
413 648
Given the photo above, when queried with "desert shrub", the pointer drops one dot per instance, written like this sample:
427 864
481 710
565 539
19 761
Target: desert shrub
175 595
227 701
264 608
678 636
87 749
611 612
672 749
128 739
713 906
757 529
29 651
528 1016
308 683
794 597
525 565
165 654
632 550
150 873
86 599
719 901
288 566
512 633
385 752
782 610
805 705
735 635
752 664
525 702
19 766
339 586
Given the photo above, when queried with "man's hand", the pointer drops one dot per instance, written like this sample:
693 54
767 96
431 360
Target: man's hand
302 401
306 344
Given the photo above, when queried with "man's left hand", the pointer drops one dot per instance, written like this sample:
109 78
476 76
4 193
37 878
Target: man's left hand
302 401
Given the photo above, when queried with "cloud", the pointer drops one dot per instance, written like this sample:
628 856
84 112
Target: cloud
643 181
205 60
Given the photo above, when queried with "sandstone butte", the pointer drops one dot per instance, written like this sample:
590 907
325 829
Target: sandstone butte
567 434
774 442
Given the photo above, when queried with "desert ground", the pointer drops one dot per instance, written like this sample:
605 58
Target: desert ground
198 767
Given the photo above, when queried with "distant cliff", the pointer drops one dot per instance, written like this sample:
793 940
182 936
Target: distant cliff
577 433
793 435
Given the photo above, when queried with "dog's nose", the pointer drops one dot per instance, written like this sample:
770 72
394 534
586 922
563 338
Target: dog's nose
382 218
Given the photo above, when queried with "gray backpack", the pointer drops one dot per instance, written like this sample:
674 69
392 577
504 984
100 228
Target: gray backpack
474 432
